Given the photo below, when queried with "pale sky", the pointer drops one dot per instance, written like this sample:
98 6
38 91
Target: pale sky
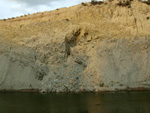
13 8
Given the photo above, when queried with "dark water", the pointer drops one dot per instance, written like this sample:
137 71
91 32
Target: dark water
133 102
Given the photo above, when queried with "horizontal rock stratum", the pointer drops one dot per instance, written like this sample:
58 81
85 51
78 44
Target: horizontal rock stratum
88 47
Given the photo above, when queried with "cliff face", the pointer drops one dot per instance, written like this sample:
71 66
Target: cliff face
88 47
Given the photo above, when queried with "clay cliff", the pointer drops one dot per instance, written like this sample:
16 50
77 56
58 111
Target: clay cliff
102 46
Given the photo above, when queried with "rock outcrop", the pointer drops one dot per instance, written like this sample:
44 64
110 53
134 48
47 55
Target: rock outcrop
88 47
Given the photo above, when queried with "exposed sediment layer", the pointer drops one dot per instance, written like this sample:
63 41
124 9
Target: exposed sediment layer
88 47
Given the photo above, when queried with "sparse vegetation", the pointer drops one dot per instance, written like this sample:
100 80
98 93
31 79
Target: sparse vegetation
94 2
147 2
121 85
101 84
84 4
124 3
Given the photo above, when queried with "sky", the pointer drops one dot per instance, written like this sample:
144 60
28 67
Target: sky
14 8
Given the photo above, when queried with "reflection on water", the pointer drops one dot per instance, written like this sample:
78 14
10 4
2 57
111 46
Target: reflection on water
133 102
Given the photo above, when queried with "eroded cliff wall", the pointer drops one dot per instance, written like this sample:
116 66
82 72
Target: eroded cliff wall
88 47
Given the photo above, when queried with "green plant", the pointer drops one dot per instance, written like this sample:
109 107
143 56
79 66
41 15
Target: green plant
121 84
94 2
101 84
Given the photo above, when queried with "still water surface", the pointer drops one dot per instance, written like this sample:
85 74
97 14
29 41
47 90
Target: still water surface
123 102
